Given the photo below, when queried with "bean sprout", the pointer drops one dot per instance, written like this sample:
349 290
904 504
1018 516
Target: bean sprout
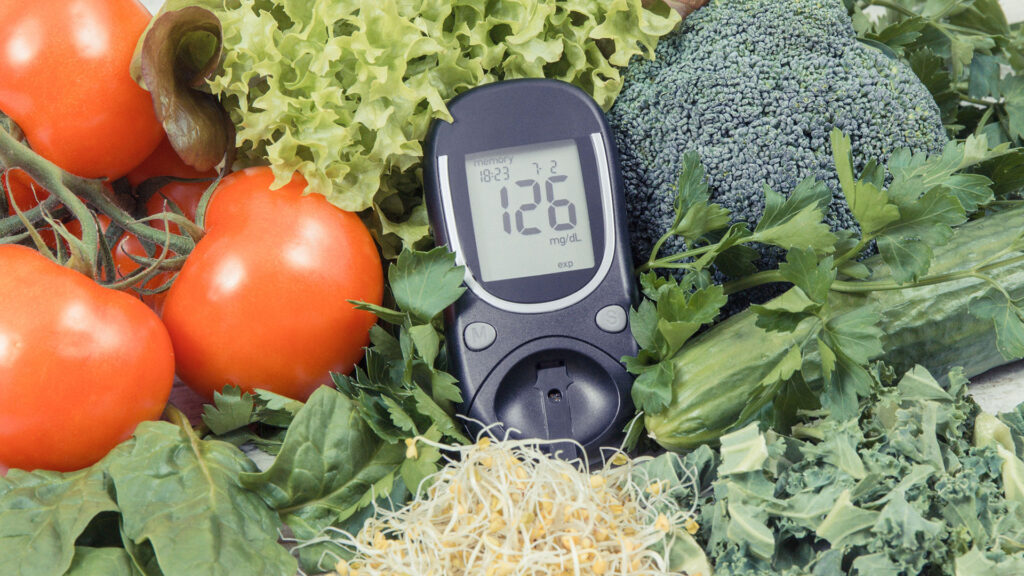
504 507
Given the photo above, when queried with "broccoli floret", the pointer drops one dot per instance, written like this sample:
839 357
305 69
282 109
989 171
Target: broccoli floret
755 87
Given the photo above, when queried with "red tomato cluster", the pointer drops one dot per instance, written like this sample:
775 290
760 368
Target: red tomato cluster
261 302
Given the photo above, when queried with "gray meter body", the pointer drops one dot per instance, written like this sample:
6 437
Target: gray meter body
523 186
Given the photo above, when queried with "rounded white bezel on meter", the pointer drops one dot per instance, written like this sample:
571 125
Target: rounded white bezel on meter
601 270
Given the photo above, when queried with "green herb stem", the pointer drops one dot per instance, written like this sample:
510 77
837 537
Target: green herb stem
752 281
860 287
999 287
13 224
854 287
175 416
892 6
987 102
657 248
852 253
985 118
668 261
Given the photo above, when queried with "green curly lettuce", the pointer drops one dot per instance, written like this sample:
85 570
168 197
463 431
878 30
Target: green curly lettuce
342 91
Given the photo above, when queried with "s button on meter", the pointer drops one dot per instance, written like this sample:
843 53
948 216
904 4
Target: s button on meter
611 318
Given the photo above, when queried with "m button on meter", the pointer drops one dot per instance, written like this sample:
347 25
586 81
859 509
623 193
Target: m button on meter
479 335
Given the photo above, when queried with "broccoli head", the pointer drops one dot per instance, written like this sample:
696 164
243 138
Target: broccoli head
755 87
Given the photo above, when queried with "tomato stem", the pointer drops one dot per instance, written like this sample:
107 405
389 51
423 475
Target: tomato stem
74 192
11 225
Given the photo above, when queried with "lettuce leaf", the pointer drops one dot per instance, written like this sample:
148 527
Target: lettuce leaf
343 91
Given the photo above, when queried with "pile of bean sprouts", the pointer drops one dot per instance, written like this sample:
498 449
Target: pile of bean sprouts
505 507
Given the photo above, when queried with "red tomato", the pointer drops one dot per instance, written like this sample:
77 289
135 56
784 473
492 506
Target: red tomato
22 190
64 65
128 246
164 161
80 365
262 301
185 195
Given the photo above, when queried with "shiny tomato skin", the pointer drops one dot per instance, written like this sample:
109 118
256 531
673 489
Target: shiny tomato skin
80 365
262 301
66 82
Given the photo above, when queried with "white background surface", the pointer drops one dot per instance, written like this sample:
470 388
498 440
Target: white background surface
1014 9
998 390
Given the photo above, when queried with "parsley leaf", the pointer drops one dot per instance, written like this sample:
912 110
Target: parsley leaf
695 215
857 334
784 313
797 221
652 389
425 283
803 270
1008 319
231 409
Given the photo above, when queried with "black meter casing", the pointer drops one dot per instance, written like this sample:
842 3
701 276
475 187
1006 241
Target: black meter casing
538 356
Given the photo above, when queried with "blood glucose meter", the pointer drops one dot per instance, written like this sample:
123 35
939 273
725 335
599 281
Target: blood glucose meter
523 186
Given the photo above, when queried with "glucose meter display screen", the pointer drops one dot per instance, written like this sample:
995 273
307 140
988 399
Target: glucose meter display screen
529 211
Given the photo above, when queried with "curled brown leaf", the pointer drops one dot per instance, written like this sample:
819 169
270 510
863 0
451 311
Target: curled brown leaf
181 49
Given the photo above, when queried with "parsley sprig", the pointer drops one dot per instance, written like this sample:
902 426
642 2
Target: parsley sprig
907 209
968 56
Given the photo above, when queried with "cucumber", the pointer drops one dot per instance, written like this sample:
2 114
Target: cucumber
725 375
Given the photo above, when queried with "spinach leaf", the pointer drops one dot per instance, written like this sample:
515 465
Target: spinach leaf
183 497
331 464
101 562
43 513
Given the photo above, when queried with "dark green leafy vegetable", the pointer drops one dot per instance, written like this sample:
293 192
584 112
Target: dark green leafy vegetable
330 465
968 56
200 518
43 514
164 502
840 313
912 485
101 562
403 391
